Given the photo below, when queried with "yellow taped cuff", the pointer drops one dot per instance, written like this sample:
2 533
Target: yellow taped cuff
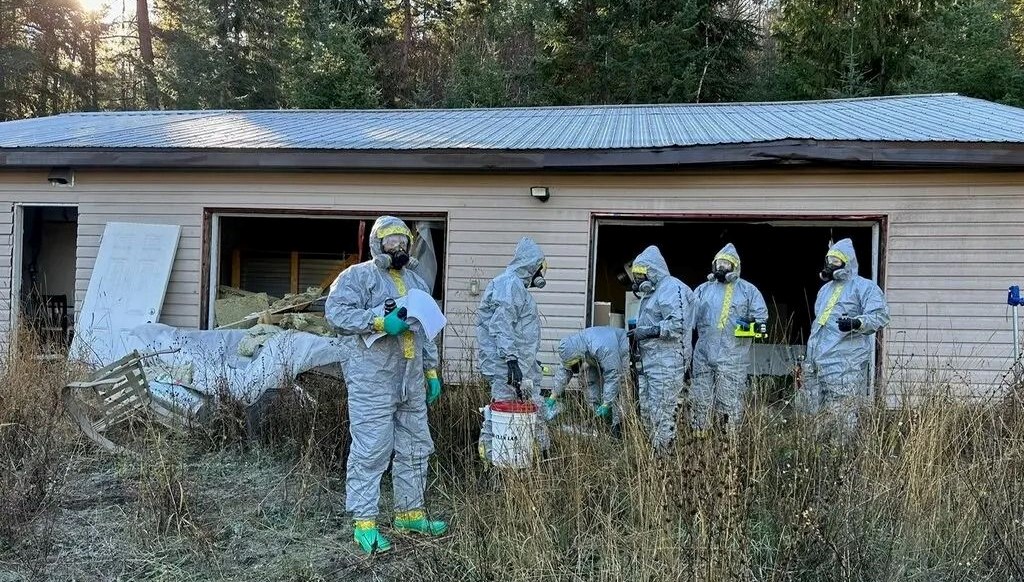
364 524
414 515
431 374
378 324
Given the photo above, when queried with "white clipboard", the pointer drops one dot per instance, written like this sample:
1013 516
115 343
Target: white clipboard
422 308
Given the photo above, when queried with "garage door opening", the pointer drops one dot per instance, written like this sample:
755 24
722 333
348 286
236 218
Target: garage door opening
781 257
44 274
270 256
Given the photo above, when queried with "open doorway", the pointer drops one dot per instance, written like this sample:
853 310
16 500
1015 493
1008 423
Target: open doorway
781 256
257 260
43 285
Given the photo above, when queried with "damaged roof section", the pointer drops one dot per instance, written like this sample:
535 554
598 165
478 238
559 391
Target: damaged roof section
903 130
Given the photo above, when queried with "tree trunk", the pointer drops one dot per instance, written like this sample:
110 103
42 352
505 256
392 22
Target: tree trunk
406 41
146 51
94 33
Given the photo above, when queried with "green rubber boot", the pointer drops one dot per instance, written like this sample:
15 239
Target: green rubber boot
416 521
369 537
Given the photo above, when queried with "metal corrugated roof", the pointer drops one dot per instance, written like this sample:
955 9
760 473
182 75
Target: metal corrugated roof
912 118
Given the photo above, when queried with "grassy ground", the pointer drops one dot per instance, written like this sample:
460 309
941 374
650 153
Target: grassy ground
243 516
934 492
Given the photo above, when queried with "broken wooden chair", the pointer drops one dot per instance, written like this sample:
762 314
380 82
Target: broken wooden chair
115 394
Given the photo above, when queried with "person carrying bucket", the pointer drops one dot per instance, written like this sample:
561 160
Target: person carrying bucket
602 355
390 383
508 339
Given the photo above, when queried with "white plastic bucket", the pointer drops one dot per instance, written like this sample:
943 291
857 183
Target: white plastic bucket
514 433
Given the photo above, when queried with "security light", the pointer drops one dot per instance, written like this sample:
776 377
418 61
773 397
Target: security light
540 193
61 177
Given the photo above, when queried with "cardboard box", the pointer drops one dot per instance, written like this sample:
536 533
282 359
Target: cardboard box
632 307
617 320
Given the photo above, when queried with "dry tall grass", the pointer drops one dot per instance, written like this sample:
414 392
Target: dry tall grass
934 492
36 446
35 442
930 493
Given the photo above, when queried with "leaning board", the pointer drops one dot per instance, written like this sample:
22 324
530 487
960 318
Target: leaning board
126 289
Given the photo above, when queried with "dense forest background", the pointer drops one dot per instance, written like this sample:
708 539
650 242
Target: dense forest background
70 55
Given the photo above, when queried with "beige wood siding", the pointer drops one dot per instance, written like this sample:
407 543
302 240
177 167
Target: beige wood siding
952 244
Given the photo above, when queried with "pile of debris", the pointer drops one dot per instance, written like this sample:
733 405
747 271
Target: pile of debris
263 316
260 345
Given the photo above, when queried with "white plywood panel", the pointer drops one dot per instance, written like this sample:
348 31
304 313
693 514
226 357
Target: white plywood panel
126 287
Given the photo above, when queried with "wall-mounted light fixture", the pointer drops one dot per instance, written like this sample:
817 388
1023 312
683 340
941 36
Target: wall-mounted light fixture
540 193
61 177
474 287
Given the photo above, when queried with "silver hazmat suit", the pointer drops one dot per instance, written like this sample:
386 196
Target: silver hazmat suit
836 368
665 358
386 385
721 361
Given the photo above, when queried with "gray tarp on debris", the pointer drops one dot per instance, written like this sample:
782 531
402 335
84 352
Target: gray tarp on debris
216 365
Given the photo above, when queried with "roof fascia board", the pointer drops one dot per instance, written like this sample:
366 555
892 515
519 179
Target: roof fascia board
806 152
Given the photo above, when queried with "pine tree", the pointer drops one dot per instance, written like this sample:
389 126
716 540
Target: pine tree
656 51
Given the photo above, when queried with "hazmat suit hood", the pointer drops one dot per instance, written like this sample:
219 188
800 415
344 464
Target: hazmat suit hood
571 348
526 260
651 259
844 251
728 253
382 227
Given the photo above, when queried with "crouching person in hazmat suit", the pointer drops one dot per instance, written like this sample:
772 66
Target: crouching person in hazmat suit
389 385
508 335
847 313
602 355
664 333
721 360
